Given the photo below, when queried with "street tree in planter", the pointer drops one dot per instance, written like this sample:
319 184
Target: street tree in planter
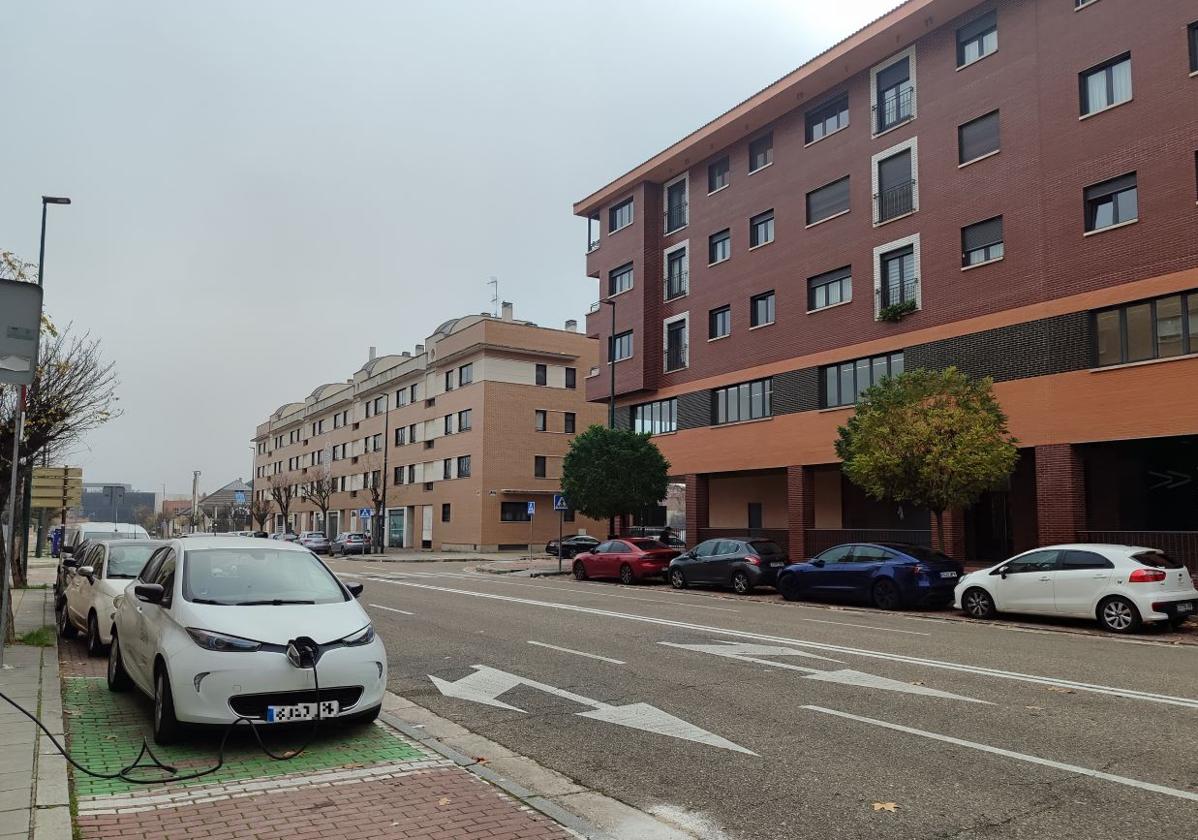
284 493
933 438
609 472
260 511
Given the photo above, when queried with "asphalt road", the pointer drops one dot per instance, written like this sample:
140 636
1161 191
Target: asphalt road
970 730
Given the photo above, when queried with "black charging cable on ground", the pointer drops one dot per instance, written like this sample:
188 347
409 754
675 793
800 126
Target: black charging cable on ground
302 653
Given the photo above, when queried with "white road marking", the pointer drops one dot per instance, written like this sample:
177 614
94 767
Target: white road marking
579 653
390 609
1031 759
1126 693
486 684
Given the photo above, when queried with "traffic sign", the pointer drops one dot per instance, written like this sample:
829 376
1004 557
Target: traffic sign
364 513
239 497
20 328
56 487
532 508
559 502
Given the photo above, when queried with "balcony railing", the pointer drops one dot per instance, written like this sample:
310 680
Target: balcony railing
895 108
594 307
676 356
894 201
676 284
592 245
676 217
900 292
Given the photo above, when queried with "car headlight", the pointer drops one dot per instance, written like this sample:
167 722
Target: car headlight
362 637
219 641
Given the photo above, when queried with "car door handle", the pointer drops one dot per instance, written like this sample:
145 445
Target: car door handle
1046 577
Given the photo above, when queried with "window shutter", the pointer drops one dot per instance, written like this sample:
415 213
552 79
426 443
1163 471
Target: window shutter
1110 187
828 201
894 171
893 74
979 137
972 30
982 234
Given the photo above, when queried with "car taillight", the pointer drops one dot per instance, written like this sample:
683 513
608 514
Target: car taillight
1146 576
754 559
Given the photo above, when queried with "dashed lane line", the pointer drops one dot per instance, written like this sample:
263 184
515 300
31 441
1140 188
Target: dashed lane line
579 653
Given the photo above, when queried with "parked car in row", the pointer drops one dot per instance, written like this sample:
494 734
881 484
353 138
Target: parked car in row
1121 586
285 536
349 542
629 560
571 546
740 563
889 576
208 627
105 569
78 536
315 541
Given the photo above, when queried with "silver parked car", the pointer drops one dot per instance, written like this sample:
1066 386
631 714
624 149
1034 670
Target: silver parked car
314 541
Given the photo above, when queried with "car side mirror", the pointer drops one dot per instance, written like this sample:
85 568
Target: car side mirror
88 572
69 563
355 589
817 562
150 593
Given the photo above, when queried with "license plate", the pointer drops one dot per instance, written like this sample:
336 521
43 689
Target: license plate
300 711
948 574
1185 607
777 564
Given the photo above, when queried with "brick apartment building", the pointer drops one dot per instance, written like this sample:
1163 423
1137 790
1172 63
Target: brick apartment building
1006 186
458 437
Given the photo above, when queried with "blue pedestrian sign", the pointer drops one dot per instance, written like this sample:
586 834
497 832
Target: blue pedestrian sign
532 508
364 513
239 497
559 502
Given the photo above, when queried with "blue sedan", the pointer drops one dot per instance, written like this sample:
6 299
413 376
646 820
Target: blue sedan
888 575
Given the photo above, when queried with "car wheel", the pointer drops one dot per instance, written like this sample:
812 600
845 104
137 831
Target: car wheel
118 677
1119 615
789 587
580 571
677 579
94 647
741 584
65 628
626 576
977 603
886 595
166 726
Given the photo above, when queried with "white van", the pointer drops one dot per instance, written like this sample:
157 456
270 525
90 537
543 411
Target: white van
83 532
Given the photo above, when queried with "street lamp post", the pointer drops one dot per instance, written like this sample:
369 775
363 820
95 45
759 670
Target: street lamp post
611 364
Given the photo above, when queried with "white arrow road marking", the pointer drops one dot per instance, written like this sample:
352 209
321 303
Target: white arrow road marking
486 684
390 609
579 653
1031 759
844 676
1127 693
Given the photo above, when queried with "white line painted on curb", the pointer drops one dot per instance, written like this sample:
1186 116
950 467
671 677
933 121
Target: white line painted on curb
1031 759
390 609
579 653
1127 693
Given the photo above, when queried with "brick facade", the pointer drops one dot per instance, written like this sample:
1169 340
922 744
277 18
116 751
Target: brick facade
1060 493
800 509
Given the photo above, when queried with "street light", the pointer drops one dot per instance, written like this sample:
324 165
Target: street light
611 363
41 252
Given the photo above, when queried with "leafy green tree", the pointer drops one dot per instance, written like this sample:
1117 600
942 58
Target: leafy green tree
609 472
935 439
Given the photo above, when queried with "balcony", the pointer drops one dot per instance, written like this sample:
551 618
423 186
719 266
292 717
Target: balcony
894 107
592 245
675 217
895 201
676 356
677 284
894 292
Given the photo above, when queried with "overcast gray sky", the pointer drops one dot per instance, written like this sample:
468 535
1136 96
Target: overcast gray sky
265 189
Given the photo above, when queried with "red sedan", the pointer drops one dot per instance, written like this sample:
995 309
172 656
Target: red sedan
628 559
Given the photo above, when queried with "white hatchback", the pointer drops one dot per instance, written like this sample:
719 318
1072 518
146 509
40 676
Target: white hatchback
220 628
1122 586
104 570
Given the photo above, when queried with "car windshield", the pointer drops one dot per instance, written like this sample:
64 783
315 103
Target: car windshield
919 552
127 561
648 545
1156 559
241 576
766 548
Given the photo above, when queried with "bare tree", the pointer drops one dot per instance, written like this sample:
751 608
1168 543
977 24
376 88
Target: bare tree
284 493
319 491
144 516
260 511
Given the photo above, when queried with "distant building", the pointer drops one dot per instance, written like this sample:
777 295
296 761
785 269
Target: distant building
97 504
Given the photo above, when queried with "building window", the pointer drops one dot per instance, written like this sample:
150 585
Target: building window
719 322
414 391
514 512
447 469
449 424
538 466
619 280
1106 85
655 418
1112 202
761 309
676 349
540 419
401 397
675 211
569 421
761 152
982 242
463 466
619 347
746 401
719 246
894 94
717 174
761 229
844 383
977 39
1193 33
412 433
571 377
401 437
828 118
445 512
896 187
619 216
376 443
368 409
830 288
899 280
676 273
977 138
466 374
411 473
1152 329
464 420
449 380
542 375
828 201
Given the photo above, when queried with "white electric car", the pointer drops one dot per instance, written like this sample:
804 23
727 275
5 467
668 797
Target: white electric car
104 569
215 628
1122 586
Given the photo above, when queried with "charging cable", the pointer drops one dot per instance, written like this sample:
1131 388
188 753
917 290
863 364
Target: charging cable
302 652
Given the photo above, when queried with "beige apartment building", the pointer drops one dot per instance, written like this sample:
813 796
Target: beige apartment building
456 438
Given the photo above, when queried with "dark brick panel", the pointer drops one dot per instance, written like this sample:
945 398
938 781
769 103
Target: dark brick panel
795 391
694 410
1020 351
